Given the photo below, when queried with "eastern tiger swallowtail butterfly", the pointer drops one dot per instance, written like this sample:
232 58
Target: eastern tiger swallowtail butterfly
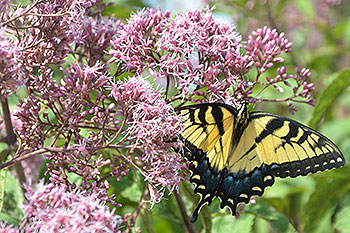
235 154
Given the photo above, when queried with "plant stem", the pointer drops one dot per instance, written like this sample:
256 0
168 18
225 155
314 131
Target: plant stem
184 215
11 137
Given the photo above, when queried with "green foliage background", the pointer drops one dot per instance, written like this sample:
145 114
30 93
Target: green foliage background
316 203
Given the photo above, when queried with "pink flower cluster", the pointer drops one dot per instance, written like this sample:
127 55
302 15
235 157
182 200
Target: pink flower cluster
202 55
193 48
31 126
10 69
69 103
49 32
86 165
4 6
133 45
152 120
94 37
264 46
152 123
54 209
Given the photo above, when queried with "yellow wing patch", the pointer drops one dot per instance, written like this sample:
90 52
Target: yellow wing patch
245 157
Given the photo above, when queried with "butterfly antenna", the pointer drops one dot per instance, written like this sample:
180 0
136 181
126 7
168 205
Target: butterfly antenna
257 96
260 92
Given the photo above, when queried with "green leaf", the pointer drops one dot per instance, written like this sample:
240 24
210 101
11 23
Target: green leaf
336 130
306 7
228 223
159 224
342 223
163 217
290 195
278 221
2 187
331 92
12 211
321 59
133 192
123 9
329 190
345 148
346 32
4 153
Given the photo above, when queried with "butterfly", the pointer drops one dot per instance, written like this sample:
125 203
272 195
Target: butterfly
235 154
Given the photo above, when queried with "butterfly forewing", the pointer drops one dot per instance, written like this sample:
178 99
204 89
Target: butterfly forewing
293 149
209 128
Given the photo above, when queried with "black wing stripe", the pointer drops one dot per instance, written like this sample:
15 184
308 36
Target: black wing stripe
218 116
293 132
303 137
201 115
273 125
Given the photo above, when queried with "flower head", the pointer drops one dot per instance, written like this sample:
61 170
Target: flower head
133 42
152 123
264 46
54 209
10 72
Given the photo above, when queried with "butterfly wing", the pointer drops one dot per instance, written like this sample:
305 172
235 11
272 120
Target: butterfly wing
212 134
209 127
292 149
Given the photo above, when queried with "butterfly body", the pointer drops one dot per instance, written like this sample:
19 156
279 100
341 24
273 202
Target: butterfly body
235 154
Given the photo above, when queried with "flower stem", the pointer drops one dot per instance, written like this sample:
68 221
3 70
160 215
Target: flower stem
184 215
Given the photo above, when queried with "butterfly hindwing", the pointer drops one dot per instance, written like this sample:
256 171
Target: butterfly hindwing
231 188
236 154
